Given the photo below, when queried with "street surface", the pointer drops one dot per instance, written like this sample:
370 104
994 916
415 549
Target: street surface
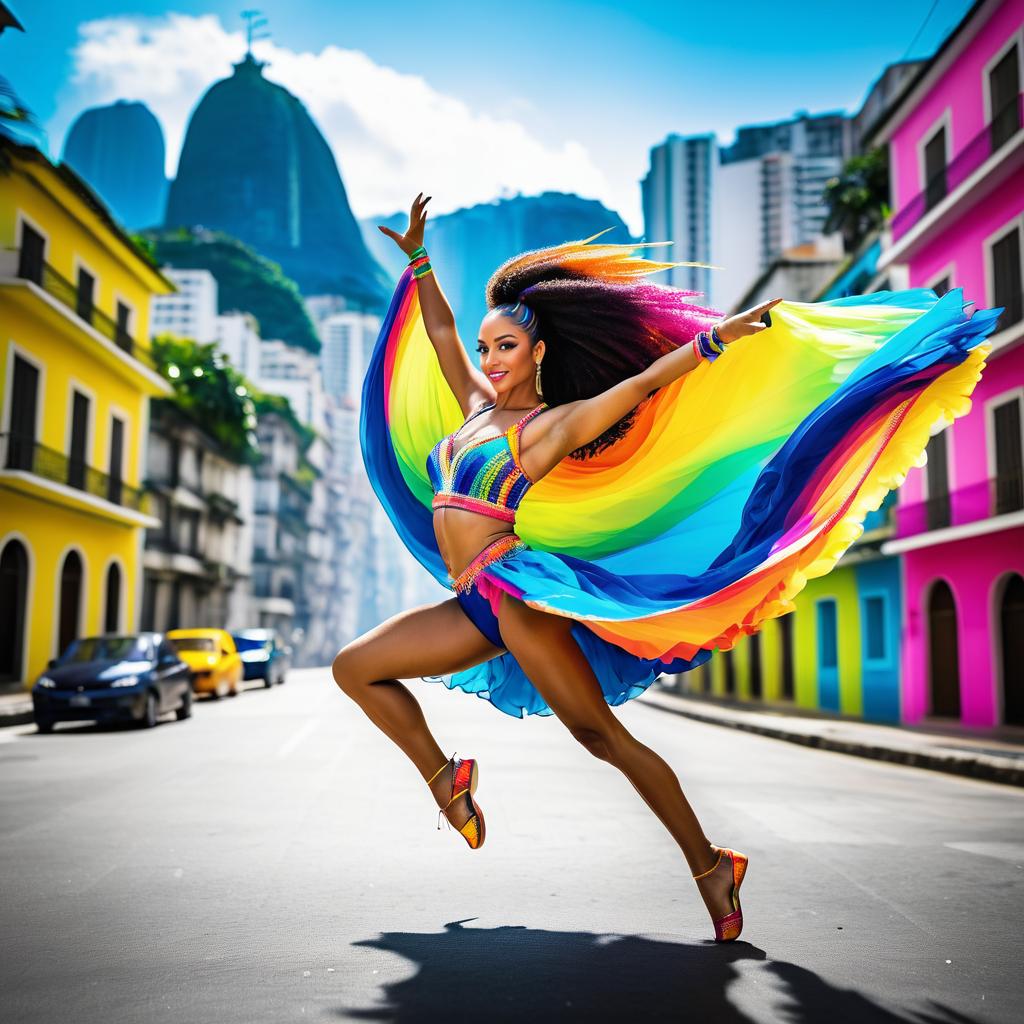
276 859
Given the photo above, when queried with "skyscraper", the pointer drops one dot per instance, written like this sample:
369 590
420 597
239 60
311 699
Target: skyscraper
739 206
677 202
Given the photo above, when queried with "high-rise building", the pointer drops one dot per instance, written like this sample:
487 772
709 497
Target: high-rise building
739 206
239 339
192 311
677 201
346 341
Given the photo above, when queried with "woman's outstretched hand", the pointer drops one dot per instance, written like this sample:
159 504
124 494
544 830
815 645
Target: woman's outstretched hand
747 322
413 237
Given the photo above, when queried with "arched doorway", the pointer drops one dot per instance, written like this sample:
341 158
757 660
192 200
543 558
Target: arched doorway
944 652
1011 642
13 602
112 616
70 600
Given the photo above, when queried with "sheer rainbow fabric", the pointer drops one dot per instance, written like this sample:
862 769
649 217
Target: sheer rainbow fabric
737 483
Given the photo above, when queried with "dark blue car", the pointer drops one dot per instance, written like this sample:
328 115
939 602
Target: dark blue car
113 678
263 655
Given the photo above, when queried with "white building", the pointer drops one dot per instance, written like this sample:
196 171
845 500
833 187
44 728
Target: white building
239 339
739 207
346 341
198 562
677 200
191 312
295 373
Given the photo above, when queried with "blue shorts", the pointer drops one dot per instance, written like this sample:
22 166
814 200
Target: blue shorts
478 608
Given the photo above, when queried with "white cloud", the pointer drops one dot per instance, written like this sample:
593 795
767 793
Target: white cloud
392 133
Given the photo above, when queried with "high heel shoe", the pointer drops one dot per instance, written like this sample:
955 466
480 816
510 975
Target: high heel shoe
465 775
728 927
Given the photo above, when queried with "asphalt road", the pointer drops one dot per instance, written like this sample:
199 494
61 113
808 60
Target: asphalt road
275 859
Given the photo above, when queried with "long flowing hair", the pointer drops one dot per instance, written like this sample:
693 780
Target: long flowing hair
600 321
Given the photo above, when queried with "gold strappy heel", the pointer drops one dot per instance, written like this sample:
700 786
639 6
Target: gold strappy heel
465 776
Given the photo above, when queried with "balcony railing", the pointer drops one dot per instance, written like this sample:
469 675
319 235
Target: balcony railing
67 295
996 496
1004 125
172 546
23 453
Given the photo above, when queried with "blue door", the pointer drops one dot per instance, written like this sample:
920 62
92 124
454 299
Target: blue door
828 656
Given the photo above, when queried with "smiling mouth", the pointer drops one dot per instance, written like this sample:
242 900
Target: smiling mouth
499 375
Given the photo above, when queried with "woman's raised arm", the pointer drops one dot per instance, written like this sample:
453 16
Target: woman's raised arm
468 384
577 423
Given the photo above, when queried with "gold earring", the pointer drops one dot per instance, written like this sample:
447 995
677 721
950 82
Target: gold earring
536 381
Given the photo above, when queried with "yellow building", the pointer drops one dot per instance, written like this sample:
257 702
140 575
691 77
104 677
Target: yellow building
75 382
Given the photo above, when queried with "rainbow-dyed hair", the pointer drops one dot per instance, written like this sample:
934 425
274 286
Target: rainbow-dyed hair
600 321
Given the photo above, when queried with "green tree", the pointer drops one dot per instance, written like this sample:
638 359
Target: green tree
246 281
211 392
857 199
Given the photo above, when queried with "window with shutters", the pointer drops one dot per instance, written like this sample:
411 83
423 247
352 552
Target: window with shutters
1006 278
937 479
1004 98
1009 464
828 634
935 169
875 641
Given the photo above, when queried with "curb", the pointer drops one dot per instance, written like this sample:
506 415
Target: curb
973 767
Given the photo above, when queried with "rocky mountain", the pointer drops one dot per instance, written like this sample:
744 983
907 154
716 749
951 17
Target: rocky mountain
468 245
119 150
255 165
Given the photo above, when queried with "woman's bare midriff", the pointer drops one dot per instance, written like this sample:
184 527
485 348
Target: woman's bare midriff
462 535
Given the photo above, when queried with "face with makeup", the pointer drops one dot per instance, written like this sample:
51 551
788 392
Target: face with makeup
508 354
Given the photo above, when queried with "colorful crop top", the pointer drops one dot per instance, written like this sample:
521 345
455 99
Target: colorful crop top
483 476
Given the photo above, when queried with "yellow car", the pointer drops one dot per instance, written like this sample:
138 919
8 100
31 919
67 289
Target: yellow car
212 658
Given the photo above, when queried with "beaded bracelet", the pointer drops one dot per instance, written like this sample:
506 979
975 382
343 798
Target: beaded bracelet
708 346
420 263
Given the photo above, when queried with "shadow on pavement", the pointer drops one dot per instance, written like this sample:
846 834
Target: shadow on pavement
517 973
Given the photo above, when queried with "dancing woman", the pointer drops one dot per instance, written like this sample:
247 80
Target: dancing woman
625 484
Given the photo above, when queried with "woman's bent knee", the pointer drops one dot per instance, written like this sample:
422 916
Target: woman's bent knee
345 675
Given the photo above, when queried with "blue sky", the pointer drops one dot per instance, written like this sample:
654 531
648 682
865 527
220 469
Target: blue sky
508 93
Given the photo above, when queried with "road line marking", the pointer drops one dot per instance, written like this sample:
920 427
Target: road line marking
289 745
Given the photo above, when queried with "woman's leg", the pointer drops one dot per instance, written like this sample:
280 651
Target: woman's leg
549 655
432 640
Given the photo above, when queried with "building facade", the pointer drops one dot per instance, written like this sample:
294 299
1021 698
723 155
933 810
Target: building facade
198 561
77 380
923 618
280 514
739 207
956 140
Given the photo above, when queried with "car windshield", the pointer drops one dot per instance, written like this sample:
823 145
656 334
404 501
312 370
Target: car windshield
193 643
252 643
108 648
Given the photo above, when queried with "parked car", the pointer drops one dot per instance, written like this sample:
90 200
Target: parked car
113 678
264 655
213 659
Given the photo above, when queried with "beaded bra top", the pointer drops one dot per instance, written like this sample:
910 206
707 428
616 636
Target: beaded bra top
483 476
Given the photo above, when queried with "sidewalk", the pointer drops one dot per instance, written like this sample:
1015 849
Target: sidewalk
15 708
979 755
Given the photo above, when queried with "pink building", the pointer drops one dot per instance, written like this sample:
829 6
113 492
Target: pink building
956 146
